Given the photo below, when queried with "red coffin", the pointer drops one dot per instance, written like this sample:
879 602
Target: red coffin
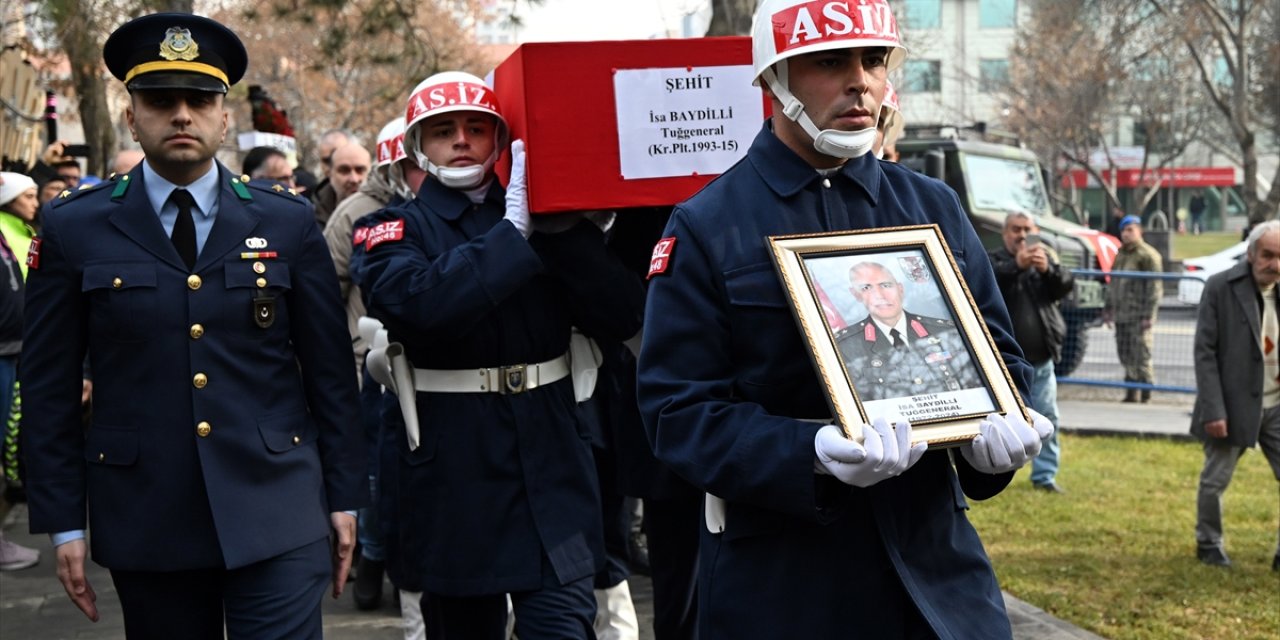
559 97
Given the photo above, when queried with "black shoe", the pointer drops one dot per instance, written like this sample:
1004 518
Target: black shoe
368 591
1130 395
1275 563
1213 556
1146 396
1051 487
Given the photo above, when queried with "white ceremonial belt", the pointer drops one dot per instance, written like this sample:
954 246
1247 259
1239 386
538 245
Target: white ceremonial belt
516 378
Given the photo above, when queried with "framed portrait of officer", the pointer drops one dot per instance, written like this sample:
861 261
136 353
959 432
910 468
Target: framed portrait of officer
893 330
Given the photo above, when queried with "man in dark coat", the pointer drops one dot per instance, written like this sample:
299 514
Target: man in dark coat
499 493
807 533
225 447
1237 380
1033 282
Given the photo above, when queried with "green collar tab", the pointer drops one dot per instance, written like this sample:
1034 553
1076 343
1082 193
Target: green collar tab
122 185
240 189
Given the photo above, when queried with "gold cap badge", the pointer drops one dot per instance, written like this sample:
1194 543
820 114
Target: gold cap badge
179 45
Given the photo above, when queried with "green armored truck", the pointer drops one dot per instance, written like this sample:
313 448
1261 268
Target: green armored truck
992 180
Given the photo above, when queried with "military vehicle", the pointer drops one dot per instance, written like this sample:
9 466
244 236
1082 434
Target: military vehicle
993 179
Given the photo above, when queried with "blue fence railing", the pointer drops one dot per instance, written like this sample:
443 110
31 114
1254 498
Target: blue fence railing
1173 338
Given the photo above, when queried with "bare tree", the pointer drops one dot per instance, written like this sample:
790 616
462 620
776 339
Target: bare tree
731 17
349 65
1233 46
79 27
1079 67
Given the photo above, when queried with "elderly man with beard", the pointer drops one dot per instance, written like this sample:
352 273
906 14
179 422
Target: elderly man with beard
1237 380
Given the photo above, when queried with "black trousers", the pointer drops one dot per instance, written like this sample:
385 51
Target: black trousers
277 598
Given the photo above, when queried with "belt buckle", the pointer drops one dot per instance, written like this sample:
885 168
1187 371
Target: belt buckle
514 378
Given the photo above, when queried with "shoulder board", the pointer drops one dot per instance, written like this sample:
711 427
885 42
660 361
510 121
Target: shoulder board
274 189
68 195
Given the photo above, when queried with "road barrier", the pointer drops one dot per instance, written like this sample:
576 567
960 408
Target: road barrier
1173 338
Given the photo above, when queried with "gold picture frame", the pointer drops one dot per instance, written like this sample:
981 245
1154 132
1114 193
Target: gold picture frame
893 331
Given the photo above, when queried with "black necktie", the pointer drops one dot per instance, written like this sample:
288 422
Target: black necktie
897 339
184 228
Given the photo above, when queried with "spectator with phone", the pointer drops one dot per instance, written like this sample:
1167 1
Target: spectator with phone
1033 282
58 163
60 158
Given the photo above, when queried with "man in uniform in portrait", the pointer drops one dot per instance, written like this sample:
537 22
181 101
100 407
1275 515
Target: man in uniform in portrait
894 353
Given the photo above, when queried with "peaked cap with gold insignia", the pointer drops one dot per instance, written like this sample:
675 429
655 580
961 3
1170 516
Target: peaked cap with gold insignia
175 51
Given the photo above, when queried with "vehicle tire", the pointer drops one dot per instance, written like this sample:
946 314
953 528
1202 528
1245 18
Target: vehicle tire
1075 342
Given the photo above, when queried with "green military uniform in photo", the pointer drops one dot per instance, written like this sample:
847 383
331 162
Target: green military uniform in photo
1132 300
933 359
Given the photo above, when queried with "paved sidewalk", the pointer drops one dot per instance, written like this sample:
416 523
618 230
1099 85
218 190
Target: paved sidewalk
33 605
1170 419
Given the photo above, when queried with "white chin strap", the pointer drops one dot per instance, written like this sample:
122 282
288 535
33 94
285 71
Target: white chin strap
831 142
458 177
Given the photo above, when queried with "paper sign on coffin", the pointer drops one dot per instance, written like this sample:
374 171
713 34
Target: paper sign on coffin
620 124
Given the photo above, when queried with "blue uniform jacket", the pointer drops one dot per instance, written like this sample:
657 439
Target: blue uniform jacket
724 378
501 485
173 351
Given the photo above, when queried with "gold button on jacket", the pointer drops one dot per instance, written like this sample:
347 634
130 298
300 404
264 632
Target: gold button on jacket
116 283
197 331
203 429
200 380
194 282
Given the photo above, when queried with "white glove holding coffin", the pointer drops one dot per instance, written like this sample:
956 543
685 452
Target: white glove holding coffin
517 192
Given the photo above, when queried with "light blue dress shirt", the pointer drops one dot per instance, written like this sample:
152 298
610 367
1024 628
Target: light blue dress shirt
204 190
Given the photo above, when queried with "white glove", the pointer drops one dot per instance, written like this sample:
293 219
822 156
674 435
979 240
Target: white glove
885 452
1004 444
517 193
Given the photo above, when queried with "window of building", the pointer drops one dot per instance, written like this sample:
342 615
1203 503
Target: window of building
1222 72
923 14
993 75
921 76
997 14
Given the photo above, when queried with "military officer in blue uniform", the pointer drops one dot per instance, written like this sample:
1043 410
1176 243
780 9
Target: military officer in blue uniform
497 487
894 353
809 534
225 446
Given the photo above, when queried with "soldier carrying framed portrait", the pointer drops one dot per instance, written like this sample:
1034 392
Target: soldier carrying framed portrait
893 330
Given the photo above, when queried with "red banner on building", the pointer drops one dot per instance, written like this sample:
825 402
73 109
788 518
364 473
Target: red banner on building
1168 177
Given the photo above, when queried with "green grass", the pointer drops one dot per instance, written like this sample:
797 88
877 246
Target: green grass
1116 554
1189 246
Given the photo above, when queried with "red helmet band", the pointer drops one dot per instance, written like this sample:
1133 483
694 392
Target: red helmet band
823 21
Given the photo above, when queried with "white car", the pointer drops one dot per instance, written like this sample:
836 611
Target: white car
1196 271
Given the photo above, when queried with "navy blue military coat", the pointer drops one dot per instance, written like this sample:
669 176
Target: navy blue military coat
216 441
724 379
501 485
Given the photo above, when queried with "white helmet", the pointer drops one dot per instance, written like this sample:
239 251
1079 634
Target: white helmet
390 153
444 93
390 143
894 121
782 29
